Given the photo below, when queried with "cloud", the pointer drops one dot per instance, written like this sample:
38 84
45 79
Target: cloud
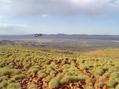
44 15
2 17
13 28
57 7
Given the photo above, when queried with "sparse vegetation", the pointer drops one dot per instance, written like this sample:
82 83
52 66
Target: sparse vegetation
30 68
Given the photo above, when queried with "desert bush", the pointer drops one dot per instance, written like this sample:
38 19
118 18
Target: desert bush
8 71
19 76
41 74
101 84
77 78
112 84
99 71
67 79
5 71
3 78
89 87
3 84
114 75
32 86
13 86
64 80
54 83
33 70
48 78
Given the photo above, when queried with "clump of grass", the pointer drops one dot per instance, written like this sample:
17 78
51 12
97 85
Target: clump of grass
13 86
101 84
64 80
112 84
3 84
71 79
33 70
41 74
5 71
114 75
17 77
3 78
8 71
32 86
48 78
89 87
54 83
99 72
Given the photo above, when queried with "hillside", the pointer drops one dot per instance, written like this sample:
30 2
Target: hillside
28 68
111 53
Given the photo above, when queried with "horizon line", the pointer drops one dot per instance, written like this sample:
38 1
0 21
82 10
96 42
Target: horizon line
57 34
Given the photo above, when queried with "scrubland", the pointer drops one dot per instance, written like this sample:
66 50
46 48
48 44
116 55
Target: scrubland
31 68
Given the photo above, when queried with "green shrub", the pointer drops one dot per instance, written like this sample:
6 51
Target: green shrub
41 74
11 81
32 86
5 71
3 84
101 84
3 78
8 71
54 83
99 72
89 87
48 78
68 79
112 84
76 79
33 70
114 75
13 86
65 80
17 77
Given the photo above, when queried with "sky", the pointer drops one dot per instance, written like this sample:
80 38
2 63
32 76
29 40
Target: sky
59 16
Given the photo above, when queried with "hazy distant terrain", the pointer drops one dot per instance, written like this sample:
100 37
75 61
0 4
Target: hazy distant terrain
61 36
61 41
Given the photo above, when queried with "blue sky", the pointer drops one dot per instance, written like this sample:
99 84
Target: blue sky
66 16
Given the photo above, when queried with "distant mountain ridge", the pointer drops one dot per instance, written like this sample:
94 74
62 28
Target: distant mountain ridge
61 36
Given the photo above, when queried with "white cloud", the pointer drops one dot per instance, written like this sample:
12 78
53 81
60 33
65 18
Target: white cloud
13 28
44 15
13 25
2 17
56 7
